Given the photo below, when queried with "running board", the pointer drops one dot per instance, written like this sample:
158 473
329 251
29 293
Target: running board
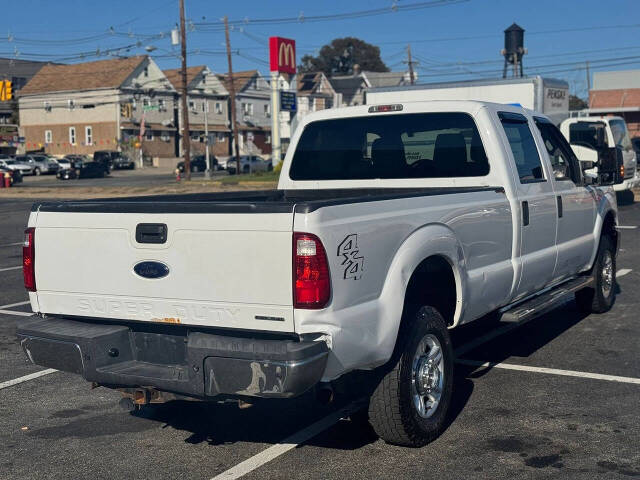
545 302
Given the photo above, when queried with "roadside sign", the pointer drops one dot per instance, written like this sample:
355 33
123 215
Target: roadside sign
288 101
148 108
282 55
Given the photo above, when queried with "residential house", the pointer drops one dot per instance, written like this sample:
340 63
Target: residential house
207 98
617 93
99 105
351 89
253 111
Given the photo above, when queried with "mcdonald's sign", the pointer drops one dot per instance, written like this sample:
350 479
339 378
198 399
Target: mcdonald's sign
282 55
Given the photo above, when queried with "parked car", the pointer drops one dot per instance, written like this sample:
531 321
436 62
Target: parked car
64 163
15 175
199 164
249 164
10 163
81 170
114 159
41 164
391 225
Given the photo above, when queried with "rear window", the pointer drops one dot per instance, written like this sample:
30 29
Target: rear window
421 145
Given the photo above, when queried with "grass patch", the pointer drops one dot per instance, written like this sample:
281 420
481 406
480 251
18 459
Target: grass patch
272 176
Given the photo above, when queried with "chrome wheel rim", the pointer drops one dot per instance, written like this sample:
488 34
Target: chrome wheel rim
427 376
607 273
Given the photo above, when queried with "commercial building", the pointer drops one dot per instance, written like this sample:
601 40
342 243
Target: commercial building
617 93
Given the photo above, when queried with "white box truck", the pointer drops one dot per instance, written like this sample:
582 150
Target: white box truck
544 95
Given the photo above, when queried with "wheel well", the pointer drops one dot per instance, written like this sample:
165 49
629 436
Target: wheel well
432 283
609 228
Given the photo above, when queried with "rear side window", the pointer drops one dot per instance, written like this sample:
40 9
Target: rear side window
588 134
421 145
523 147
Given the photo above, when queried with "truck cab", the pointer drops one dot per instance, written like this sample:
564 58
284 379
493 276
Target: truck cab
590 136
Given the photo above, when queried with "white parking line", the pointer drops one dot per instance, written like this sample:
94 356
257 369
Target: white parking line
551 371
622 272
11 244
16 313
285 445
26 378
19 304
10 268
626 227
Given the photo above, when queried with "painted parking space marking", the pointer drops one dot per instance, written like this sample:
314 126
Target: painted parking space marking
26 378
626 227
550 371
18 304
6 269
287 444
623 271
11 244
16 313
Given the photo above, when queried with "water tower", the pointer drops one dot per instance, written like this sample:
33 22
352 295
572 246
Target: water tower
513 50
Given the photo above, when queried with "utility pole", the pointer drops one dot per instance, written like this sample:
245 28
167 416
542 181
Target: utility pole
232 95
412 78
186 136
588 78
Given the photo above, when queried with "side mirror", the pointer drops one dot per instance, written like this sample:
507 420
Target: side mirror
587 165
610 166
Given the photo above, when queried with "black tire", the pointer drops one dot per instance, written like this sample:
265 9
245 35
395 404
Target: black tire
392 411
195 169
36 172
600 297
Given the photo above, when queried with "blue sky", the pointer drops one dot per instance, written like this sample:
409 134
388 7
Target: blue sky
560 34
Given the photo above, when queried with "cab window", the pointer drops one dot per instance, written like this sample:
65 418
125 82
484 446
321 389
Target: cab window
564 163
523 147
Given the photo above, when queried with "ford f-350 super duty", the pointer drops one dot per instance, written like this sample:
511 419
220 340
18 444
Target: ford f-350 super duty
391 225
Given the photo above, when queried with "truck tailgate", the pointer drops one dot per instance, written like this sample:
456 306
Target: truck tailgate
224 269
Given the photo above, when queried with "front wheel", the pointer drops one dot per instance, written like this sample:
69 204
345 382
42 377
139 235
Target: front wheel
409 406
36 171
195 169
599 298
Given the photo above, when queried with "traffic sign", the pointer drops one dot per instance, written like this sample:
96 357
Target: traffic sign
288 101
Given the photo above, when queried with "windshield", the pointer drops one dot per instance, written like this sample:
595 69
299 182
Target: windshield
586 134
620 134
422 145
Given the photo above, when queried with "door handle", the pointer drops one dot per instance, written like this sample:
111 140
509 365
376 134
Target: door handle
151 233
525 213
559 199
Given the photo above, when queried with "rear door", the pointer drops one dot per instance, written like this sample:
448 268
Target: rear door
230 270
537 201
575 203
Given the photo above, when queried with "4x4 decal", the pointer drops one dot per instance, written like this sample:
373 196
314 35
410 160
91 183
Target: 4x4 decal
352 261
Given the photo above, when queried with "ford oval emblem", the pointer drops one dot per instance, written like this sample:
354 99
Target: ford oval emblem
151 269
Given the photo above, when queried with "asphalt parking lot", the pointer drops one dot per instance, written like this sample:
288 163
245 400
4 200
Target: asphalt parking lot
557 397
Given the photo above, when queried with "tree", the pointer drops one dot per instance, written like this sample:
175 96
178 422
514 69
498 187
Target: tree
577 103
340 56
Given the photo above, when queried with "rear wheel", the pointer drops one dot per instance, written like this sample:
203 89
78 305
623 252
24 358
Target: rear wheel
599 298
409 406
195 168
36 171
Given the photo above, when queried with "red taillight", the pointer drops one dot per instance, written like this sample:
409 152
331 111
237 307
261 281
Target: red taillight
311 283
28 259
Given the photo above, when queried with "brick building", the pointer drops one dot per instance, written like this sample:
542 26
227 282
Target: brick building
617 93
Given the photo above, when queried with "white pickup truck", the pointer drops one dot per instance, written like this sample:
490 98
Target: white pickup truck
391 224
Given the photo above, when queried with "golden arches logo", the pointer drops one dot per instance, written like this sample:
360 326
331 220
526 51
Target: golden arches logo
286 51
